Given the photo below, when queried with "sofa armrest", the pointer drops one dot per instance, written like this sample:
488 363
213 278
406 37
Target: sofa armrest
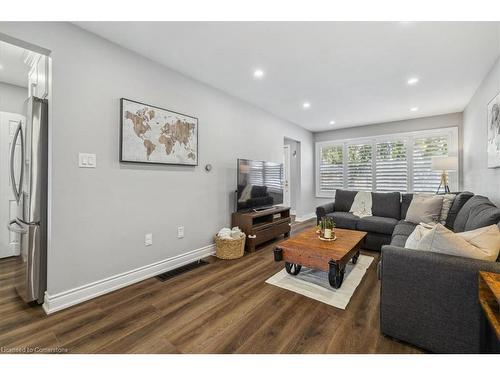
321 211
431 300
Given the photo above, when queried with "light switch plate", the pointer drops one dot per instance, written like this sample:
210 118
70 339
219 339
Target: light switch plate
87 160
180 232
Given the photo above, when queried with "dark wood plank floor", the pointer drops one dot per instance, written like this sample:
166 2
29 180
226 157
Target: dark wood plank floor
224 307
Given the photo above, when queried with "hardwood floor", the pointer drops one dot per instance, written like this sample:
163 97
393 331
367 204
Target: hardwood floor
223 307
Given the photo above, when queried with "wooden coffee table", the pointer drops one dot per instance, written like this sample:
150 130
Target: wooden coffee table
306 249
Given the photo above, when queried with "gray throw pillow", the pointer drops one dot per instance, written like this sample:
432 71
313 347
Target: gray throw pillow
424 208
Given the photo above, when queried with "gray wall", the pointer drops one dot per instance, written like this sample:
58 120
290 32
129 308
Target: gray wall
12 98
100 216
478 178
423 123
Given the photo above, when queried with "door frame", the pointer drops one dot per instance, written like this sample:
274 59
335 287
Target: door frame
287 190
13 248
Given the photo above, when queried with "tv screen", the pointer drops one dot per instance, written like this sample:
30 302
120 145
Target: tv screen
260 184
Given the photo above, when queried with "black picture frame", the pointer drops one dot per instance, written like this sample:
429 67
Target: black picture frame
122 160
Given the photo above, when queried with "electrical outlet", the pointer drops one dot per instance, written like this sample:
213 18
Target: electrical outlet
148 239
180 232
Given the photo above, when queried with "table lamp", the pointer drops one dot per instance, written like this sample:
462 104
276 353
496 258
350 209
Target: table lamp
444 164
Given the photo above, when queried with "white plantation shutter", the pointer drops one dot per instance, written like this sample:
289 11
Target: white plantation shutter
424 148
385 163
359 167
391 166
331 169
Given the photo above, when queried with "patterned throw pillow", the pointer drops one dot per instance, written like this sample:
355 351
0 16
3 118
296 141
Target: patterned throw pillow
447 203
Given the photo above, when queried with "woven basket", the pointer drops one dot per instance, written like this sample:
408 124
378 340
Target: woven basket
229 248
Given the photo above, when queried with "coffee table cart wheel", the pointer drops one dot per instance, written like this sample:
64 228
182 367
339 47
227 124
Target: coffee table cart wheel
355 258
336 274
292 268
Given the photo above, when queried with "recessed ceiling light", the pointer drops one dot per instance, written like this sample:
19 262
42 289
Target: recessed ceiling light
412 81
306 105
332 122
414 109
258 73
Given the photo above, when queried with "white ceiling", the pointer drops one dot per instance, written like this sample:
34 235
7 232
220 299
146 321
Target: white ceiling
13 68
352 72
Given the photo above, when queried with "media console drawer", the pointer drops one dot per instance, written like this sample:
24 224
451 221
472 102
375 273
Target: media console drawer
263 226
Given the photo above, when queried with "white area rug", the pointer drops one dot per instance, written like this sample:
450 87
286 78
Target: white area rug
314 284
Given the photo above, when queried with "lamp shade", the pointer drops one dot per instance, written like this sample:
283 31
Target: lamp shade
444 163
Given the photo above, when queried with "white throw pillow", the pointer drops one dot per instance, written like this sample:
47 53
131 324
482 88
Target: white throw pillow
482 243
424 208
447 203
418 233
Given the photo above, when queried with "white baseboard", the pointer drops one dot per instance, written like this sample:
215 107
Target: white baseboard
305 217
83 293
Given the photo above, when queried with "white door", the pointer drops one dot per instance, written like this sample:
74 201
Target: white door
286 177
9 241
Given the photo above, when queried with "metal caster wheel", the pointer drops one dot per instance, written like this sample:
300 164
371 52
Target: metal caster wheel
336 275
355 258
292 268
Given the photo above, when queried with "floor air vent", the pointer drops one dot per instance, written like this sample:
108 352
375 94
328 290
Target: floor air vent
178 271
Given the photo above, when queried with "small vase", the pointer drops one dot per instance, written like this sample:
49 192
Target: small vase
328 233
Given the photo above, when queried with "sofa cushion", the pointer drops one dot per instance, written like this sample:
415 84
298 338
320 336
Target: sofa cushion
404 228
386 205
457 205
377 224
344 220
477 212
405 203
398 240
482 215
401 232
344 199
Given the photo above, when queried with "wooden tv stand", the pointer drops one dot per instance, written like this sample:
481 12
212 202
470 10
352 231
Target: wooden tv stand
262 226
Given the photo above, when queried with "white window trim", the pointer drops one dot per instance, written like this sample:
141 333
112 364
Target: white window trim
452 132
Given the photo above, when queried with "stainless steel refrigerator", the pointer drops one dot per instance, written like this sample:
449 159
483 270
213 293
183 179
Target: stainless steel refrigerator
28 173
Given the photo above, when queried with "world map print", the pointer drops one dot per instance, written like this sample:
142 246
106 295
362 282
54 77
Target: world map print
155 135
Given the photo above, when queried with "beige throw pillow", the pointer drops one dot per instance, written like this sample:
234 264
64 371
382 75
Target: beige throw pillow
482 243
418 233
424 208
447 203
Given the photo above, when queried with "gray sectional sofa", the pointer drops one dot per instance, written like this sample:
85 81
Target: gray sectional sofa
427 299
386 210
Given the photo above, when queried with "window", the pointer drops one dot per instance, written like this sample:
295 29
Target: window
331 169
401 162
359 167
391 166
424 148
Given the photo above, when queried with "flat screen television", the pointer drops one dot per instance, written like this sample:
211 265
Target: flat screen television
260 185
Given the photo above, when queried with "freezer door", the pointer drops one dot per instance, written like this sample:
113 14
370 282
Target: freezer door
34 190
30 268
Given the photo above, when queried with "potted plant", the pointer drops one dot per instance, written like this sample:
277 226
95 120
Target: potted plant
326 227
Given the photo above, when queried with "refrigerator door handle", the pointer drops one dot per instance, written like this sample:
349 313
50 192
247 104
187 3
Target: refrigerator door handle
15 189
16 227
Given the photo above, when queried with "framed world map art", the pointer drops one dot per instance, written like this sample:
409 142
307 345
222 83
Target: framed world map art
154 135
